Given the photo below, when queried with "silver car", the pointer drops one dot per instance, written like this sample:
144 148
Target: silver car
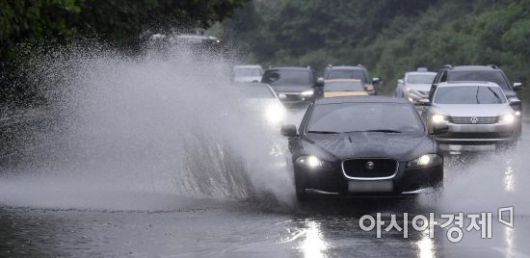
415 85
477 116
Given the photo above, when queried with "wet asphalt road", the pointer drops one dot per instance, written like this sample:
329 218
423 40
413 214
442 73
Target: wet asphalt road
326 227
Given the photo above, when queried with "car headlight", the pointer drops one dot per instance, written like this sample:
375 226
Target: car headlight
438 118
518 113
275 113
307 93
427 160
309 161
507 118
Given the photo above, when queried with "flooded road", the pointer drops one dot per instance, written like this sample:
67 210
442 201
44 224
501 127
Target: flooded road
147 224
147 158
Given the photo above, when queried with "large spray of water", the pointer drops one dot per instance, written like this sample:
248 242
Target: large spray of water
147 132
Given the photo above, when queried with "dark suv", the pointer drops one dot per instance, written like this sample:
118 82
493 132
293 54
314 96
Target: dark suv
358 72
484 73
294 85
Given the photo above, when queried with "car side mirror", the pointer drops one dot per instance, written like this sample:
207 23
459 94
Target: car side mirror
320 82
401 81
517 86
289 130
376 80
514 100
440 129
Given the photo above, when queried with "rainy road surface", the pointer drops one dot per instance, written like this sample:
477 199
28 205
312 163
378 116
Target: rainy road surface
144 224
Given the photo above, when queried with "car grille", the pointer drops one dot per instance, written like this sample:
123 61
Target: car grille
361 168
474 120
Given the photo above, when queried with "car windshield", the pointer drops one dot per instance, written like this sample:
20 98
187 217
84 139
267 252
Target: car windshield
469 95
247 72
485 76
344 86
288 77
256 91
425 78
361 117
346 74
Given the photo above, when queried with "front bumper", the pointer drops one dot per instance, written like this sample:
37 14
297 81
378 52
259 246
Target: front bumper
469 136
332 179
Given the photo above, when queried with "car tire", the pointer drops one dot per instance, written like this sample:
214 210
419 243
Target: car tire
301 195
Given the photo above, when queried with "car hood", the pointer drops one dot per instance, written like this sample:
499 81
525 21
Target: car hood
420 87
473 110
402 147
291 88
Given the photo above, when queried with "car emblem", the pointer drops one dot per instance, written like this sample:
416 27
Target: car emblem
370 165
474 119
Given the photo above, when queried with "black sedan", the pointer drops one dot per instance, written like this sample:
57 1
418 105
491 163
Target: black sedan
363 146
294 85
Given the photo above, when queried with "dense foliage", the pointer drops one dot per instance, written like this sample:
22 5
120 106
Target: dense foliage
48 23
389 37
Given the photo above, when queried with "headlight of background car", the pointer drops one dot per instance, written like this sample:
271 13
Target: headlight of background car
438 118
275 113
507 118
309 161
307 93
427 160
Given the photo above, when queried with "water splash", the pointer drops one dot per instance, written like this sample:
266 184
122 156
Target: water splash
167 123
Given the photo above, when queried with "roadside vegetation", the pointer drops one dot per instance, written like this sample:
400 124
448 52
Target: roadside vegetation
30 27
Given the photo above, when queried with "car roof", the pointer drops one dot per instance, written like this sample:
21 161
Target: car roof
473 68
361 99
290 68
416 72
346 67
343 80
247 66
467 83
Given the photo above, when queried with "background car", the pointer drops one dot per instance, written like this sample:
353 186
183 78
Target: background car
346 87
415 86
294 85
370 145
484 73
358 72
247 73
261 98
478 116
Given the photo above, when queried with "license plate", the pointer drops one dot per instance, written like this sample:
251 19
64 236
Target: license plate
370 186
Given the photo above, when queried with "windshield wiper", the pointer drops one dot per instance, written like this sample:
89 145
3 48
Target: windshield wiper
323 132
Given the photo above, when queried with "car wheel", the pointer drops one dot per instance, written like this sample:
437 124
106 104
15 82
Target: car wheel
301 195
